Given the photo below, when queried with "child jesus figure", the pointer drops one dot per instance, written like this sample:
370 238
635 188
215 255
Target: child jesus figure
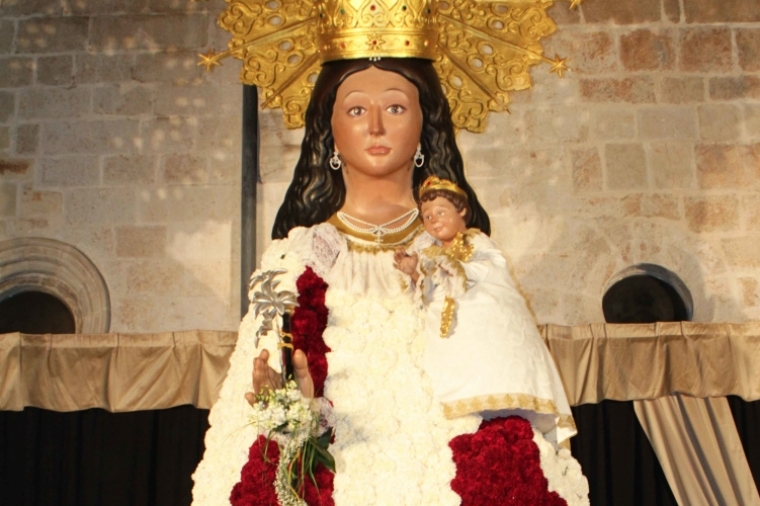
483 354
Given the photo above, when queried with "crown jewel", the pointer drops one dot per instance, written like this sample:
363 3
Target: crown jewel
436 183
482 49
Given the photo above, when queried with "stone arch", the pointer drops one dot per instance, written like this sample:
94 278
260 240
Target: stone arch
673 290
61 270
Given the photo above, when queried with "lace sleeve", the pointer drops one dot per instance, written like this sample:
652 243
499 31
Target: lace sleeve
326 245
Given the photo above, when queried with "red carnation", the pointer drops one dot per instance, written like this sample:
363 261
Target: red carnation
500 464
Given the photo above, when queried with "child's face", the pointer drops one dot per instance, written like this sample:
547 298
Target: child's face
442 220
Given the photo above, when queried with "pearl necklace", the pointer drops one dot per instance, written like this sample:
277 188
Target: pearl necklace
379 231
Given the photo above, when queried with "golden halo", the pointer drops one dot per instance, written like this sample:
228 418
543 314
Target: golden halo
483 49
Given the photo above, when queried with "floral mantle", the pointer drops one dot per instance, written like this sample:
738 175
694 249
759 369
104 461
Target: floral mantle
505 462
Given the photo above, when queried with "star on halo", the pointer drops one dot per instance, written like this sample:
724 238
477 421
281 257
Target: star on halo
558 65
209 60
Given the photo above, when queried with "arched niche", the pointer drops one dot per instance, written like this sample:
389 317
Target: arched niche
61 270
645 293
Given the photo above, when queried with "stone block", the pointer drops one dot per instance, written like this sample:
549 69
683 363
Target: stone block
7 33
562 124
225 171
721 11
35 203
188 100
613 123
563 15
734 88
625 166
706 50
89 7
750 209
719 122
672 10
667 123
123 100
682 90
591 52
652 206
748 46
752 121
712 213
208 278
179 68
200 204
587 170
129 170
168 135
184 169
91 137
7 106
104 68
750 291
177 6
148 32
13 8
5 138
68 171
622 12
53 103
219 134
55 70
742 252
99 206
728 165
140 241
8 198
193 241
16 72
12 169
155 277
648 50
672 164
52 35
635 90
152 205
27 138
546 89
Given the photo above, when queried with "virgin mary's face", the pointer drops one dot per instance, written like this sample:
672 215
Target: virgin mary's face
376 122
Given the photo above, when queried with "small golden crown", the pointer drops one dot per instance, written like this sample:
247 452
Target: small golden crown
351 29
436 183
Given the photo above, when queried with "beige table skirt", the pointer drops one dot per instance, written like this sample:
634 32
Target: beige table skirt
131 372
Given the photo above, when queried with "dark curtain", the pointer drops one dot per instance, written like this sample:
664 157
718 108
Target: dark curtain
617 458
747 419
94 457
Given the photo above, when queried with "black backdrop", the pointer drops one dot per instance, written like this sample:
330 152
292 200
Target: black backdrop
147 458
93 457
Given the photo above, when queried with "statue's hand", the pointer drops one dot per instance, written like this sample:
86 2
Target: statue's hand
264 377
405 263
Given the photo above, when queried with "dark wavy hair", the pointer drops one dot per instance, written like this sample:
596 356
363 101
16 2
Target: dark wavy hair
317 192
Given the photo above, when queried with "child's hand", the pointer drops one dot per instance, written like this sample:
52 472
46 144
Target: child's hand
405 263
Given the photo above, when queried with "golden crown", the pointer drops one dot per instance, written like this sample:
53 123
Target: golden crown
436 183
481 49
349 29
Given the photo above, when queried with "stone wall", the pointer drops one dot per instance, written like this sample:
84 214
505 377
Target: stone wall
113 140
648 151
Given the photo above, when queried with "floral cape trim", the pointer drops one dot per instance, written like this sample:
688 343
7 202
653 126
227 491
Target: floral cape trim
501 464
